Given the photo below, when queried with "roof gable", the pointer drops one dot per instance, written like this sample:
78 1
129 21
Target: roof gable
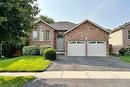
87 20
120 27
44 23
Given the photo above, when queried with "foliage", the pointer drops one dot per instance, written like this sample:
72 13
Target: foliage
11 49
43 48
31 50
123 51
114 54
50 54
14 81
47 19
16 19
24 63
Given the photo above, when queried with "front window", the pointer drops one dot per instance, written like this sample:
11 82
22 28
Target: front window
34 35
46 35
40 34
128 34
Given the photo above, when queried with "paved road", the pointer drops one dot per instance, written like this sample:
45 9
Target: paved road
79 83
65 63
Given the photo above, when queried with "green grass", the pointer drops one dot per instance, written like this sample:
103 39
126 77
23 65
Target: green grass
13 81
24 63
125 58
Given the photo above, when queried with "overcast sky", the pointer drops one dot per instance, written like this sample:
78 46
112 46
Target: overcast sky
107 13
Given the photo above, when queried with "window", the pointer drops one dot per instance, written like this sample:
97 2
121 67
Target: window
128 34
80 42
92 42
73 42
46 35
99 42
40 34
34 35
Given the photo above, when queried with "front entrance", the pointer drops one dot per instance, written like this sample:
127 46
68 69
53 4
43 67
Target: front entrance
60 43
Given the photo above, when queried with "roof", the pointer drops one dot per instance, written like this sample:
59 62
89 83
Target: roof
87 20
120 27
40 20
63 25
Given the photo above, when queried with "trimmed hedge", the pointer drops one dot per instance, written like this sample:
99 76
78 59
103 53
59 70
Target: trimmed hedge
50 54
31 50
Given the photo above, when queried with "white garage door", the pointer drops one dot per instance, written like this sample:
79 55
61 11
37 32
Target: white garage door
76 48
96 48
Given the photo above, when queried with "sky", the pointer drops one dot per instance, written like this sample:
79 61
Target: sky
107 13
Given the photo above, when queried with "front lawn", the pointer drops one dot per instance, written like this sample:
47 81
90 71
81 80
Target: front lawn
24 63
125 58
14 81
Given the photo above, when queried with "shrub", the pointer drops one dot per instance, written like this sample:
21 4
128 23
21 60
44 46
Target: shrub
43 48
11 49
31 50
123 51
50 54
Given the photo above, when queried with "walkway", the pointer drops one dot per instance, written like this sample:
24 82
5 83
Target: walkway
75 74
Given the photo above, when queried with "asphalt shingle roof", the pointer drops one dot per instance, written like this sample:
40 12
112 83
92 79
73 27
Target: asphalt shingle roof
63 25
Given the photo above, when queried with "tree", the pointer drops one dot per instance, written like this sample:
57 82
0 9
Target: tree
47 19
16 19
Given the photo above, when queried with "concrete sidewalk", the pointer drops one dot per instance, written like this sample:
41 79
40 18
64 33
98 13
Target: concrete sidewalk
74 74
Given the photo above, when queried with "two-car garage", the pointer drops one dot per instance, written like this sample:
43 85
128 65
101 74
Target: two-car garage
87 48
87 39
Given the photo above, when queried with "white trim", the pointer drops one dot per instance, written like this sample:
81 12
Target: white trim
87 20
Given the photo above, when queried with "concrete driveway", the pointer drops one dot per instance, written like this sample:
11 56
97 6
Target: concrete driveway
65 63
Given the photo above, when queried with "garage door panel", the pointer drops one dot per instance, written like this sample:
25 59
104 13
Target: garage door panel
97 48
76 48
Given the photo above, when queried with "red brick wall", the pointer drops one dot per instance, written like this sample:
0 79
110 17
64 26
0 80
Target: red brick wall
86 31
42 43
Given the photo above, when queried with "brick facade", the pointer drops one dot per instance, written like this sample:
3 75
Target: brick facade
87 32
36 42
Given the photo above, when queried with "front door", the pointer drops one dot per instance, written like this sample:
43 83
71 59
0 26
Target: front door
60 43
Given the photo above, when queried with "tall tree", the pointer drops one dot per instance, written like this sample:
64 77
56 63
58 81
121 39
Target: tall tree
16 19
47 19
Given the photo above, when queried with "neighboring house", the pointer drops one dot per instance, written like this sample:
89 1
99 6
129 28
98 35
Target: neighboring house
120 37
84 39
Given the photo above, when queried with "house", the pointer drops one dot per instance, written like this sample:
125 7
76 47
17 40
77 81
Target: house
83 39
120 37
